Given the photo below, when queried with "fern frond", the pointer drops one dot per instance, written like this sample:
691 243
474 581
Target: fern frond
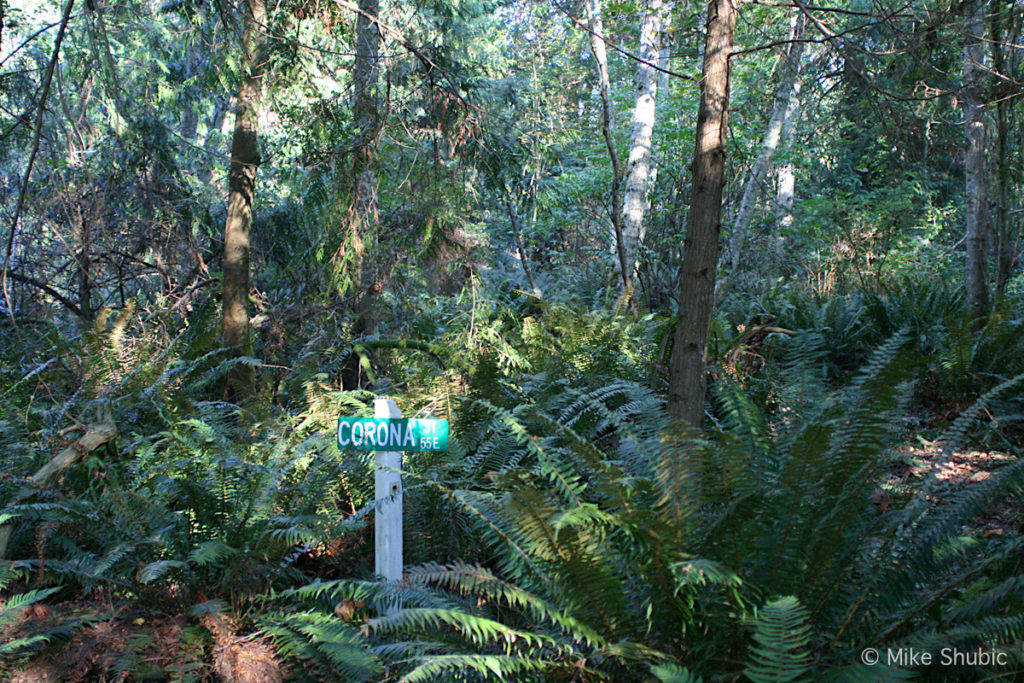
670 673
781 636
322 641
475 629
490 667
472 580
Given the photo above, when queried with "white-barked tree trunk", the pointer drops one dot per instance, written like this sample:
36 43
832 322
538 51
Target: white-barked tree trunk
638 168
786 98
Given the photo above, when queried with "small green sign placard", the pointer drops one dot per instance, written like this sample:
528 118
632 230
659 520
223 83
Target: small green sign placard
392 434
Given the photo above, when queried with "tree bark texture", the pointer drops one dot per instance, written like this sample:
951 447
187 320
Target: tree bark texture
245 160
664 59
638 167
362 223
596 26
1005 26
687 381
785 191
974 158
365 106
786 99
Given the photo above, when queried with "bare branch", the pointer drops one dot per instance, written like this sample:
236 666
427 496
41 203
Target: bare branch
32 157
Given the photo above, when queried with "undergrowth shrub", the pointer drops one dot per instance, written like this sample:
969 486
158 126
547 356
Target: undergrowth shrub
201 507
957 359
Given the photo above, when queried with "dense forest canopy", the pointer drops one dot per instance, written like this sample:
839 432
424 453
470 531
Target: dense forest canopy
722 301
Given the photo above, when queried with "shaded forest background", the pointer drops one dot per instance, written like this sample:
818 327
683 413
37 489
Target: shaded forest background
723 303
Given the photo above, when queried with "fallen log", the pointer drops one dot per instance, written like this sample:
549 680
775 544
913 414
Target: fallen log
96 435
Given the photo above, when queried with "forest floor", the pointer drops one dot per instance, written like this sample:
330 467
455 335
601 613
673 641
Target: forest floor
955 471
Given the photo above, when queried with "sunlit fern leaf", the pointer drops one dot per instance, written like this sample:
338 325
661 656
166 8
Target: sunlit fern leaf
700 572
803 391
579 565
474 629
10 609
211 552
956 433
742 420
670 673
489 667
781 636
478 581
566 481
154 571
42 636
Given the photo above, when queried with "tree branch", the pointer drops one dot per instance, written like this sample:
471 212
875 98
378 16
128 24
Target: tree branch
32 157
71 305
626 53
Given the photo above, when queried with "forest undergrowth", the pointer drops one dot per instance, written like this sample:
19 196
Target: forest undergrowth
859 486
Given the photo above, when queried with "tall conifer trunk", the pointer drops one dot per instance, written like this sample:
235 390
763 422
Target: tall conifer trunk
245 161
974 158
700 249
1005 26
362 223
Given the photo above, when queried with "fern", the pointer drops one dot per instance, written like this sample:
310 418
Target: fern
781 636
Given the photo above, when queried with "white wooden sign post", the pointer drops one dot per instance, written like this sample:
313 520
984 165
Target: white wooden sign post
387 430
388 516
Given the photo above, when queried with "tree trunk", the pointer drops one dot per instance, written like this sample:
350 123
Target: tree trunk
513 216
976 199
245 160
786 96
362 223
700 249
664 58
786 189
365 109
596 26
1006 236
638 171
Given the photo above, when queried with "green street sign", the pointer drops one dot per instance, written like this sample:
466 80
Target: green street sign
392 434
